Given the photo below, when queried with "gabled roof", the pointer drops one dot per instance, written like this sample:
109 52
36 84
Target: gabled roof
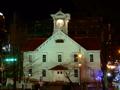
89 43
32 43
59 67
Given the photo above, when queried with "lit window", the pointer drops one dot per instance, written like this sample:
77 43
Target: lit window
75 72
44 58
59 58
91 58
43 72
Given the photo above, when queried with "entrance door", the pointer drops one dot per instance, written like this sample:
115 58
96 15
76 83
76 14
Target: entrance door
59 75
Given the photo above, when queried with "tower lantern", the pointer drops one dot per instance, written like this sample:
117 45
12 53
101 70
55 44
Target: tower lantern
60 21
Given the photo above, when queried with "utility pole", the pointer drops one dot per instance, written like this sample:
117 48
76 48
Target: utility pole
105 55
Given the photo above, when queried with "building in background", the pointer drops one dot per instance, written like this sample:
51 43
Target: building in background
56 58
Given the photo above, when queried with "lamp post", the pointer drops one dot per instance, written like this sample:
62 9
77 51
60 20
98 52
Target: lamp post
79 65
79 56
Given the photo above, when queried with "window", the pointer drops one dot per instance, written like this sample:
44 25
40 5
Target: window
91 58
44 58
44 73
30 58
59 41
76 73
59 72
75 58
30 72
59 58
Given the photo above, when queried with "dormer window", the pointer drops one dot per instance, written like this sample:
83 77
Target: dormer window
59 41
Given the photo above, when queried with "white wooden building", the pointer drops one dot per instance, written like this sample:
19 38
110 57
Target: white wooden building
59 56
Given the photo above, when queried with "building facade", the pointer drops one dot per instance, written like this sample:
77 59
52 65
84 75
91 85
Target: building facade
62 58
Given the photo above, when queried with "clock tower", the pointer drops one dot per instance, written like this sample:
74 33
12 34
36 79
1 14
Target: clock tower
60 21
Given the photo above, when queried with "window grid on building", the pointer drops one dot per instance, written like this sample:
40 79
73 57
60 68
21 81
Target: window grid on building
44 73
75 58
91 58
59 41
59 58
30 72
30 58
75 72
44 58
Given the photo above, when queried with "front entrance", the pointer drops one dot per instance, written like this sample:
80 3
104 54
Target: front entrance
59 75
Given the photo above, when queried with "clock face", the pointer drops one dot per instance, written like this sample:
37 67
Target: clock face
60 23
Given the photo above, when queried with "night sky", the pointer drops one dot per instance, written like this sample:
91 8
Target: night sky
30 9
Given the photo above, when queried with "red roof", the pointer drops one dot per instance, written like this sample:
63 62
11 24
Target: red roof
87 42
32 43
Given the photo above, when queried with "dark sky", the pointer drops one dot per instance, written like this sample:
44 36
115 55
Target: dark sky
29 9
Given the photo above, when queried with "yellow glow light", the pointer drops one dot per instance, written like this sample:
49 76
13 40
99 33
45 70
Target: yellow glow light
1 14
119 51
79 64
111 66
60 22
79 55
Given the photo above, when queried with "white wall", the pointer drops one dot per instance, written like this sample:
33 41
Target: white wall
68 49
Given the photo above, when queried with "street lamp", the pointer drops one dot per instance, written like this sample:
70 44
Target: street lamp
2 18
79 66
79 56
118 51
1 14
110 65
